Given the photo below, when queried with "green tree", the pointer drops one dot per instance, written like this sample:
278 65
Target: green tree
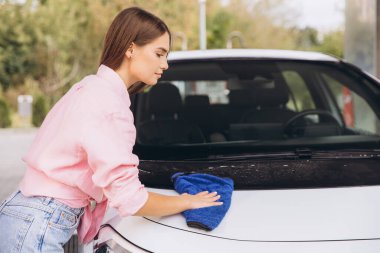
39 111
218 29
17 39
5 120
333 43
307 38
262 24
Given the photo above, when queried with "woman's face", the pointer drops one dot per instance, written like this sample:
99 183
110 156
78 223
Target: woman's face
148 62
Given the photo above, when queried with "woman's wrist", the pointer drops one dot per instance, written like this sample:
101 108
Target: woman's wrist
185 202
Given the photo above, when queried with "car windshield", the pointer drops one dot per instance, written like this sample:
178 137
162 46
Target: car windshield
237 101
264 123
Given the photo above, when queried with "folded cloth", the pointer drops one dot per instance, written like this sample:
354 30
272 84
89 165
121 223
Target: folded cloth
206 218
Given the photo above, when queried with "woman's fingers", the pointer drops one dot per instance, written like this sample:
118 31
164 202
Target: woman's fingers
204 193
207 194
214 202
213 194
204 199
215 198
211 199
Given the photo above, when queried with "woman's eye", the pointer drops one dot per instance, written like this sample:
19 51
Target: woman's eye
159 55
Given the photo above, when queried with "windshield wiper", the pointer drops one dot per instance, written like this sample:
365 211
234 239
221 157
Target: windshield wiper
299 153
244 157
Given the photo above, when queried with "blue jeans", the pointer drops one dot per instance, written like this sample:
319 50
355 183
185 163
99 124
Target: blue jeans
36 224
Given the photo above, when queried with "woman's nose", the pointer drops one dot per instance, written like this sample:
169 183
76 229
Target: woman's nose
164 64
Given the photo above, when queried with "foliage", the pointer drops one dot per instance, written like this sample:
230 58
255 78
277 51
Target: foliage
39 111
5 118
331 43
219 24
57 42
17 38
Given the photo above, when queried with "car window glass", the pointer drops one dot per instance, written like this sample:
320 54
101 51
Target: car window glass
355 110
216 90
243 100
300 94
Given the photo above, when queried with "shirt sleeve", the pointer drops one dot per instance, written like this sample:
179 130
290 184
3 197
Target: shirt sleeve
108 140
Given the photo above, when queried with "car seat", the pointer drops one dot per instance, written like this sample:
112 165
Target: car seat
165 124
267 99
269 103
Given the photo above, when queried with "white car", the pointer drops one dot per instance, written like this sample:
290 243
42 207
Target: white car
299 134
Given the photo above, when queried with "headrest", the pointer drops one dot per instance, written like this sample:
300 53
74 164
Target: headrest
271 96
197 100
241 97
164 99
261 92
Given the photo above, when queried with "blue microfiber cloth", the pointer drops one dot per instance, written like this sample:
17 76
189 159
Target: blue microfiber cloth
206 218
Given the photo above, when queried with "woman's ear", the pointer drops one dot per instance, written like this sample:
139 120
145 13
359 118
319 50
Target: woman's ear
129 52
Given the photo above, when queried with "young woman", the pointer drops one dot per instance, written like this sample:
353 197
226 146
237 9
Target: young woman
81 160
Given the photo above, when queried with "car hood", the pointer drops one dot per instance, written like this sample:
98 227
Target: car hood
264 216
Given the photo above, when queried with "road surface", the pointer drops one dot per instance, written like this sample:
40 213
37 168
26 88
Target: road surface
14 143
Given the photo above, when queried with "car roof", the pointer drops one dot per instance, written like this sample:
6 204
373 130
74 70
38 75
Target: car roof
251 54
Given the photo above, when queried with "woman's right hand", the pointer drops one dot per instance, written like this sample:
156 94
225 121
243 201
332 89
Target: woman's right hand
201 199
163 205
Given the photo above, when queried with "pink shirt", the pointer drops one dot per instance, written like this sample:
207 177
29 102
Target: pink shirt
83 152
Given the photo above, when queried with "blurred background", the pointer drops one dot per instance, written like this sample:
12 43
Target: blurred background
48 45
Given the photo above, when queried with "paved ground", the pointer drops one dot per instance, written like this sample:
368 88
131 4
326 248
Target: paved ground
14 143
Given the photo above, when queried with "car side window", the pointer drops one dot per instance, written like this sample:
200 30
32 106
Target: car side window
355 110
300 98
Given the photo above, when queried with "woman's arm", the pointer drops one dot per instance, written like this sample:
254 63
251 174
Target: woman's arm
163 205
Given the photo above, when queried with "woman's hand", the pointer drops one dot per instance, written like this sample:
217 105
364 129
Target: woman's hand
201 199
163 205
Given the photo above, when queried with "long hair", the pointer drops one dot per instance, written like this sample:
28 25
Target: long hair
130 25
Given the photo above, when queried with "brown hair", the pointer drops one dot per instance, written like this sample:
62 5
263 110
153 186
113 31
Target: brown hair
130 25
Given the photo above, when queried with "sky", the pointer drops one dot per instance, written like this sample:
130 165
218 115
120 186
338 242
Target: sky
324 15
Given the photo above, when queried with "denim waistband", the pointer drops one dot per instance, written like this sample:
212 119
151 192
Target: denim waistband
48 204
49 201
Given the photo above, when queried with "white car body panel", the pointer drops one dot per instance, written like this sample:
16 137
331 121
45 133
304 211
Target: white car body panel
251 54
297 220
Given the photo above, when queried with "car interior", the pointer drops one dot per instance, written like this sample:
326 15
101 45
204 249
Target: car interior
165 123
256 106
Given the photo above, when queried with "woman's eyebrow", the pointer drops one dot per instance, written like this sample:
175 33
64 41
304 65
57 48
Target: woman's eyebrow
163 49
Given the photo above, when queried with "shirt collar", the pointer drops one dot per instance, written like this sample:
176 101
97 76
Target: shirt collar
112 78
